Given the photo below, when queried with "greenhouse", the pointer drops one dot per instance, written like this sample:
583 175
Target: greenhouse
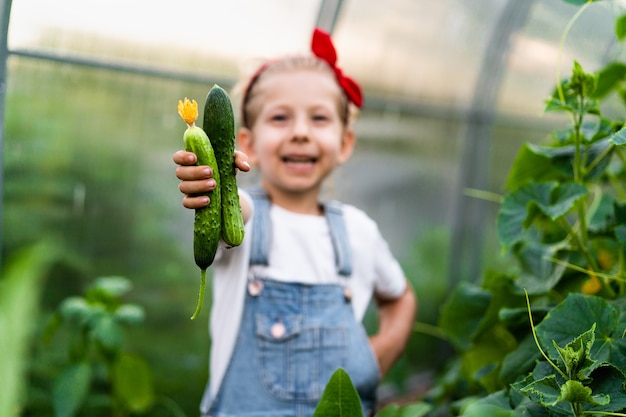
489 153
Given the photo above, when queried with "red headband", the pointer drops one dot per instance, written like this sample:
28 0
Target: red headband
322 47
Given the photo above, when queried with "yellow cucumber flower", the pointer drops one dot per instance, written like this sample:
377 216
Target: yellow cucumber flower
592 285
188 111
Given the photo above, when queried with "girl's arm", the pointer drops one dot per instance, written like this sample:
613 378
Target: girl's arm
196 180
396 318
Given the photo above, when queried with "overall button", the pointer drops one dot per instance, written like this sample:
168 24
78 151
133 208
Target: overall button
255 287
347 294
277 330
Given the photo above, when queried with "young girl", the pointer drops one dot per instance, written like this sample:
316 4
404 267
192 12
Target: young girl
288 302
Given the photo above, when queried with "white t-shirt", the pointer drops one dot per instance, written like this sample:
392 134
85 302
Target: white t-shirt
301 251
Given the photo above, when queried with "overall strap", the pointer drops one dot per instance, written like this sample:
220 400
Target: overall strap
261 232
333 211
261 228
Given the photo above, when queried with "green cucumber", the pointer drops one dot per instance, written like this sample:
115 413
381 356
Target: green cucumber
207 220
219 125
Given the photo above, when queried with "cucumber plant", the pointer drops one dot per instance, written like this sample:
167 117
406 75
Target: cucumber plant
562 223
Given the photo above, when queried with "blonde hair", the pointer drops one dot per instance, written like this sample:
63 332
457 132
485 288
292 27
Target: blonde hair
249 105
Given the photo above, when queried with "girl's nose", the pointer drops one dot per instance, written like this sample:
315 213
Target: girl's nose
301 129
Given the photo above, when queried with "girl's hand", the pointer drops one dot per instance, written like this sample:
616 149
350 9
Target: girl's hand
197 180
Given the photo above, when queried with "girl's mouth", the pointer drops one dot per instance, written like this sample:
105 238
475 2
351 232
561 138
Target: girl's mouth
299 160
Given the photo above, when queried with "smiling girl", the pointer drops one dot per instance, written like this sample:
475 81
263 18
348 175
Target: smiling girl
289 301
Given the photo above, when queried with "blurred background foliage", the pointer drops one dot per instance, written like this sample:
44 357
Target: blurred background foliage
91 125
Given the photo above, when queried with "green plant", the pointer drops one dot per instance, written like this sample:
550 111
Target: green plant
99 374
341 399
19 295
562 222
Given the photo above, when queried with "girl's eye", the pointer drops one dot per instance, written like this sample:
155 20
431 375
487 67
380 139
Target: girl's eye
320 117
279 117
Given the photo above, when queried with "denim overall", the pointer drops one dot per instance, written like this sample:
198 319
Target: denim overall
294 336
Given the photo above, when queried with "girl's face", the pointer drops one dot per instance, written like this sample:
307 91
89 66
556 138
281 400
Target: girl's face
298 137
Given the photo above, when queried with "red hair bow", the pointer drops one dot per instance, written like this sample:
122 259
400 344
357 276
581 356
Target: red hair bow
322 47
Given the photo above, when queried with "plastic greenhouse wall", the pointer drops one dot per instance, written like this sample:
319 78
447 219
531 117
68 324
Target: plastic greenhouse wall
89 125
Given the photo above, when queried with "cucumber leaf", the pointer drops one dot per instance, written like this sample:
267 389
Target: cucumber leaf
577 314
463 314
579 2
520 207
610 77
620 27
536 163
609 381
540 273
411 410
340 398
20 288
619 138
132 383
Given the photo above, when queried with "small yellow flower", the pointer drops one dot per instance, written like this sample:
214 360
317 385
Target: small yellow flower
188 111
592 285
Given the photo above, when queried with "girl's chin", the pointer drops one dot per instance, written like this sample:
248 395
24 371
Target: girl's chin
295 186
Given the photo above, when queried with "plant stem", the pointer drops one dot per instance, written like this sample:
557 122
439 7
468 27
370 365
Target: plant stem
532 328
582 246
620 272
430 330
568 27
599 158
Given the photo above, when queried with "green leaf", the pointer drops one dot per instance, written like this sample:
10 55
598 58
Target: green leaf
132 383
609 381
540 273
583 83
130 314
576 355
602 214
577 314
546 391
478 409
575 392
70 389
619 138
579 2
20 286
554 163
411 410
520 361
620 234
340 398
531 165
519 207
109 288
75 310
609 78
620 27
463 313
108 333
482 361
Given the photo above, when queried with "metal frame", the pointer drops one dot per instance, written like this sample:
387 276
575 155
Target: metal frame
469 216
5 9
